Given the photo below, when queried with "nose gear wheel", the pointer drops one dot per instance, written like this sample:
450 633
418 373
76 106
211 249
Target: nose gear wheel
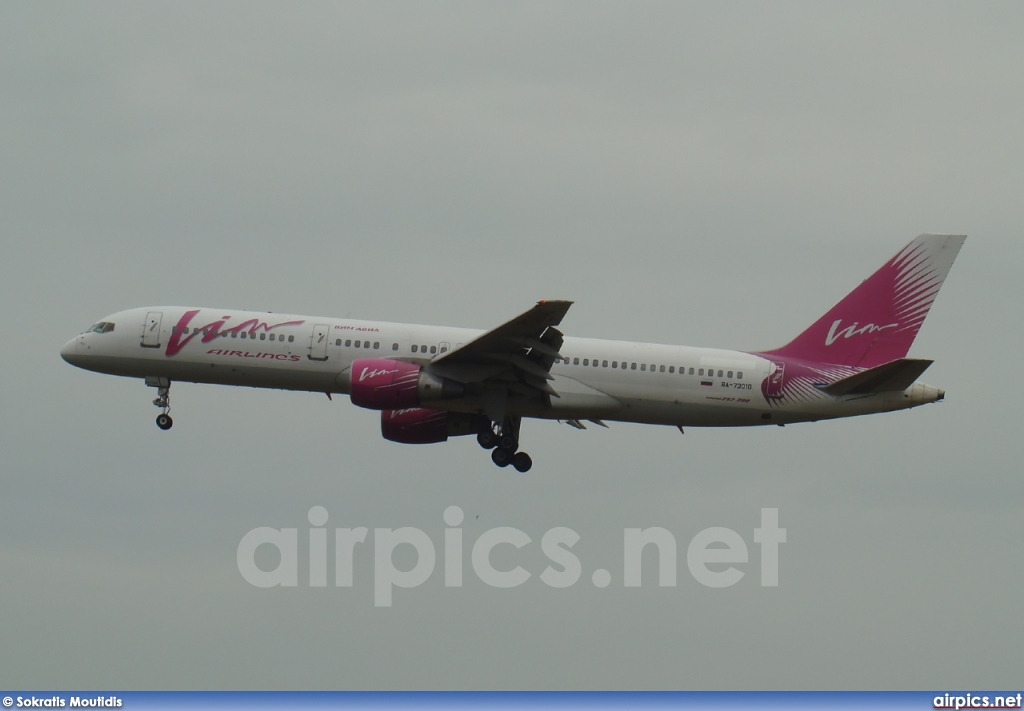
163 401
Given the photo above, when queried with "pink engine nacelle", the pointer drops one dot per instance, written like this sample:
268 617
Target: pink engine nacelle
419 425
384 384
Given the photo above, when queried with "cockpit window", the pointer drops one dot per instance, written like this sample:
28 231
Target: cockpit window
101 327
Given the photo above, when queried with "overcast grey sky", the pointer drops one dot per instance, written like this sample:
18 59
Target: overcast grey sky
710 174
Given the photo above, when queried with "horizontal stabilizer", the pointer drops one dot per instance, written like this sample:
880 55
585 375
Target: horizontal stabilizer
894 376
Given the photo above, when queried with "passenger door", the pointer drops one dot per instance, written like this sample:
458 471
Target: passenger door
318 342
775 380
151 330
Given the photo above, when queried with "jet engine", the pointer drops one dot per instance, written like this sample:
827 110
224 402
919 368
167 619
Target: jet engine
384 384
420 425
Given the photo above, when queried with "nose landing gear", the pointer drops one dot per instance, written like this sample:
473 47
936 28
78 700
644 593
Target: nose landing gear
163 401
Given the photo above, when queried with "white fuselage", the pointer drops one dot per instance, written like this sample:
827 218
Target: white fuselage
595 379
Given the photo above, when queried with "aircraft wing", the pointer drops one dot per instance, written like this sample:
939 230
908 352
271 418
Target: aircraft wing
519 352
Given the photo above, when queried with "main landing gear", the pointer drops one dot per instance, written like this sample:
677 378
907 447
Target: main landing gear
163 401
503 441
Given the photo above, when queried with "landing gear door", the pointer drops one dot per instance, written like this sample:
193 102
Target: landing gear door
151 330
318 342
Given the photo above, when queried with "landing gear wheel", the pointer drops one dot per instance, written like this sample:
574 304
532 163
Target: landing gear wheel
522 462
164 421
508 442
487 439
501 457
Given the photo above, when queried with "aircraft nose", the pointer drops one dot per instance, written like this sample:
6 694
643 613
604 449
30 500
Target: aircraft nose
70 350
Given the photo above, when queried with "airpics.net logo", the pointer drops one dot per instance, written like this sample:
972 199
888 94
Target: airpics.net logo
712 555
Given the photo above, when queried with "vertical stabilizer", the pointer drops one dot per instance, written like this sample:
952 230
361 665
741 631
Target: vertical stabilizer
878 321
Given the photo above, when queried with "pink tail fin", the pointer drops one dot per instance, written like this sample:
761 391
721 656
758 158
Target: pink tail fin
878 321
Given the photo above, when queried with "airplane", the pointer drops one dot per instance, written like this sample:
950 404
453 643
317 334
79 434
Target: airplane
431 382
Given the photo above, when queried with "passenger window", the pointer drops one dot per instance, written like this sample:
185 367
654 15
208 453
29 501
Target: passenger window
661 369
575 361
234 334
415 349
615 364
604 364
376 345
729 374
643 366
739 375
719 374
394 346
671 369
291 338
273 336
632 366
337 342
586 361
700 372
433 349
263 336
348 343
359 344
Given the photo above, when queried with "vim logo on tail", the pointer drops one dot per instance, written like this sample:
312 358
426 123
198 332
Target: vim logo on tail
856 329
